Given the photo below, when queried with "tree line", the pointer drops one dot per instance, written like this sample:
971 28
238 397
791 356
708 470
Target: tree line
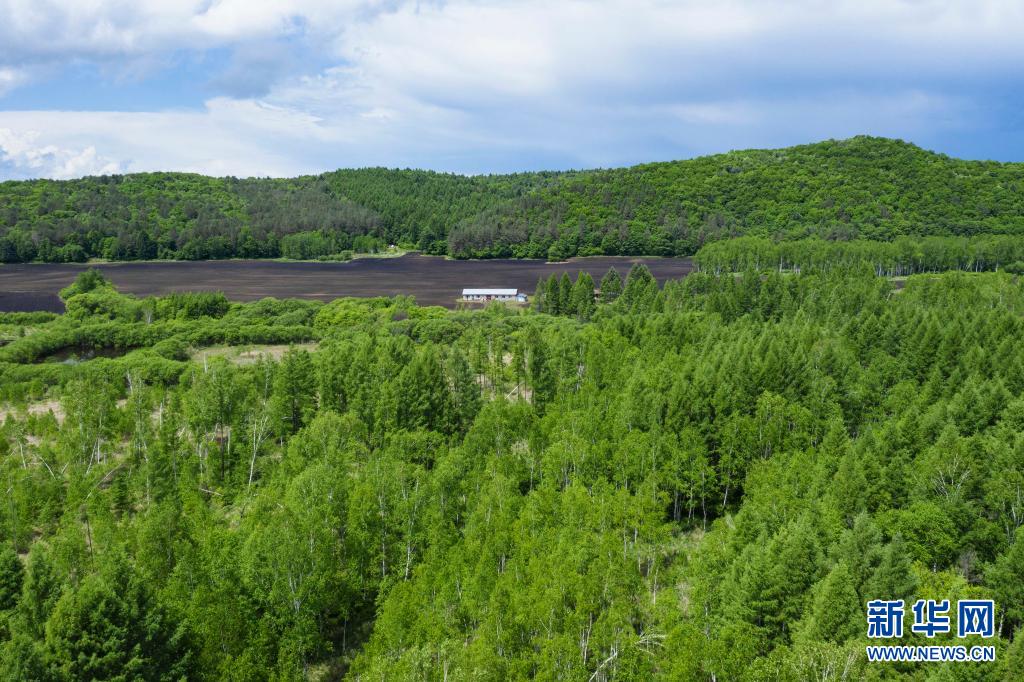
900 257
858 189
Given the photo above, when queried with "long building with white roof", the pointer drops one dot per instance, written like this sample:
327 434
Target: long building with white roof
511 295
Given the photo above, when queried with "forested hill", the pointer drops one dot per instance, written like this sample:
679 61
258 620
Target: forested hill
864 187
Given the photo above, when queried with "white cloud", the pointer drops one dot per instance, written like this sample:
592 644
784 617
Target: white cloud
493 85
9 79
245 19
22 151
527 47
228 137
470 51
96 28
251 137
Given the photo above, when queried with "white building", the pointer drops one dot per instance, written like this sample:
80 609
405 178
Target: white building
511 295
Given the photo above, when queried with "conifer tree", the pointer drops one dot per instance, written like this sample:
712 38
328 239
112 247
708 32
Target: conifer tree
294 388
539 296
860 549
11 577
552 297
110 628
40 591
542 380
611 286
565 295
22 658
641 289
465 389
894 577
836 610
1006 577
425 400
1012 661
582 297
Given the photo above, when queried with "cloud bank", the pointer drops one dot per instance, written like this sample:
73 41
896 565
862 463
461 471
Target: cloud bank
493 86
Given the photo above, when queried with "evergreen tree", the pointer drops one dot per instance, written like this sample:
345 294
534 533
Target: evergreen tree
1006 577
775 586
294 388
565 295
641 289
1012 661
542 380
553 297
110 628
539 302
894 577
860 549
836 611
582 297
426 400
22 658
41 590
465 389
611 286
11 577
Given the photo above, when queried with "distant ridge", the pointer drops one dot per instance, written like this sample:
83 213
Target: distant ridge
862 187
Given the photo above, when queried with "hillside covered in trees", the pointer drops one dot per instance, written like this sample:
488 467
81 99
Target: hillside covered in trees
703 482
867 188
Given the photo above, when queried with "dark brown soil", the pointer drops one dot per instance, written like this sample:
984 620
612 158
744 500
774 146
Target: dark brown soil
432 280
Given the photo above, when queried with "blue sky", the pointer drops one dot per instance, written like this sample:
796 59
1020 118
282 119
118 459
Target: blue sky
257 87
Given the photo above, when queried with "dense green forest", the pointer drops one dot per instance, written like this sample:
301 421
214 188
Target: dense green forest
902 256
702 482
868 188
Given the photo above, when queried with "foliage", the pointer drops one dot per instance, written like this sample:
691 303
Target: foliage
86 282
706 481
903 256
860 188
863 187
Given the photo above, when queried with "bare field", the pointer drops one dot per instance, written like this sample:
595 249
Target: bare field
35 409
247 355
432 280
